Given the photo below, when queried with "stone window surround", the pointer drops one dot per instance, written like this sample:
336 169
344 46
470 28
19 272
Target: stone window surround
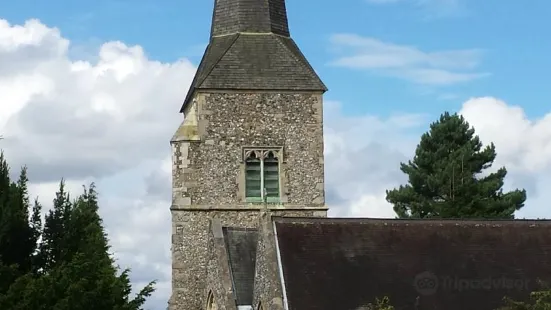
278 152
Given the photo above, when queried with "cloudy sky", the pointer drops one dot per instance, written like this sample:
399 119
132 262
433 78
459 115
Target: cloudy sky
90 91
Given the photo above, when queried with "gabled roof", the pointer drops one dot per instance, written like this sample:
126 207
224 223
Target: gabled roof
241 248
420 264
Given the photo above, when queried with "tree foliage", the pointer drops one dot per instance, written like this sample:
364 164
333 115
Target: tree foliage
380 304
448 178
539 300
63 263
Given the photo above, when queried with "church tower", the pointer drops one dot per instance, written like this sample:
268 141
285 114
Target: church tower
251 138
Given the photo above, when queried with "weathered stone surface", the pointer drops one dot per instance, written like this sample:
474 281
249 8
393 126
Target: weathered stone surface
219 282
208 171
190 254
208 182
267 282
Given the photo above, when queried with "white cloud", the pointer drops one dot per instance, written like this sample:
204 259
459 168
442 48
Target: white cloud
110 121
108 110
107 121
524 144
407 62
363 155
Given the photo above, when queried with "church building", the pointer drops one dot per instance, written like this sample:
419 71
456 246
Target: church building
249 220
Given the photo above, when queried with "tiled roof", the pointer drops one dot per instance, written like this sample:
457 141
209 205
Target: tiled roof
344 264
250 49
231 16
241 247
254 62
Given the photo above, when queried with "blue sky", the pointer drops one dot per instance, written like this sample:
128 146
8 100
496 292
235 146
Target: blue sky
510 37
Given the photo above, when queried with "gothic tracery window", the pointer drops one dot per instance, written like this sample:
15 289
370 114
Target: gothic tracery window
262 175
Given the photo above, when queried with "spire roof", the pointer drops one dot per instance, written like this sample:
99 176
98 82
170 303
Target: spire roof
253 16
250 48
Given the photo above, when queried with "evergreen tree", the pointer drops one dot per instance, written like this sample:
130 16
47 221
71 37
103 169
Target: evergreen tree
71 267
81 274
17 237
52 248
447 179
36 228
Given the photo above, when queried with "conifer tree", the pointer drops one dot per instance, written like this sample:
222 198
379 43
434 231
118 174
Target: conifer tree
52 248
447 177
65 265
17 237
81 274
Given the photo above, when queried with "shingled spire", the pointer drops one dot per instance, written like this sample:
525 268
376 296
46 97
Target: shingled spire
253 16
250 48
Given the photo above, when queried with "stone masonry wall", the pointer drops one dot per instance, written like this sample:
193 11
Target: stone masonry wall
190 257
208 173
267 283
219 282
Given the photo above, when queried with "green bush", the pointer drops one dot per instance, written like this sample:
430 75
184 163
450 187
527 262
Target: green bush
380 304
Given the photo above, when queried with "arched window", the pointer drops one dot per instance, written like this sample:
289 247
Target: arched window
262 175
211 304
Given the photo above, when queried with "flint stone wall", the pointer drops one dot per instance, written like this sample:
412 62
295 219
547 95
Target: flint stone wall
208 173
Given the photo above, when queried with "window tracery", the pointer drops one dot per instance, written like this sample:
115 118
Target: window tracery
262 174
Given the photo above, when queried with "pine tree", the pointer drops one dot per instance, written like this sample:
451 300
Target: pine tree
82 274
17 238
447 177
52 248
71 267
36 229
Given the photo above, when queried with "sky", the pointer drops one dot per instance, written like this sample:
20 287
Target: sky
91 90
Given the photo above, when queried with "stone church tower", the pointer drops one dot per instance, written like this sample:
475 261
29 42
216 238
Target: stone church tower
251 138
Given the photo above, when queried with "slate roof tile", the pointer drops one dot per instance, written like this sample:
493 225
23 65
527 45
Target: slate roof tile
250 49
231 16
241 246
343 264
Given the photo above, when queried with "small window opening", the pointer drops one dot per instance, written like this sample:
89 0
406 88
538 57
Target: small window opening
262 177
